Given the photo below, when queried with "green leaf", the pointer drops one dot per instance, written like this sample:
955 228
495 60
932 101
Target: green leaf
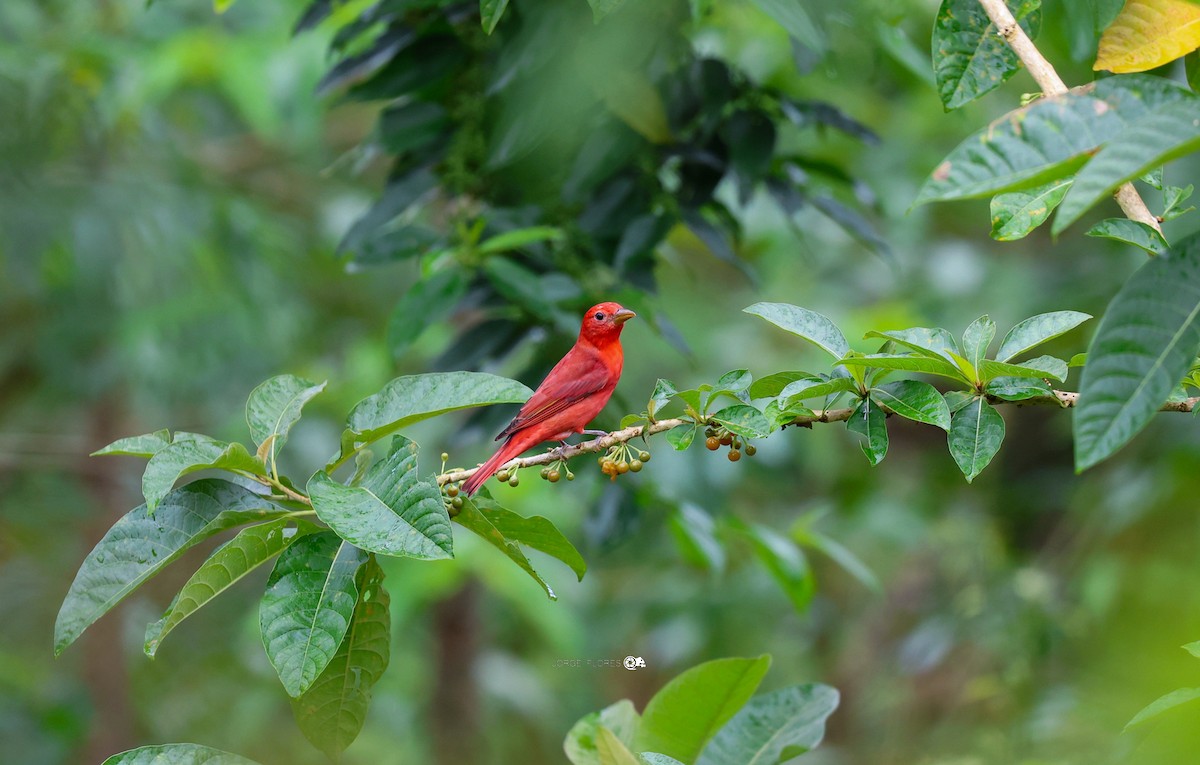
426 303
976 432
815 387
793 18
188 453
602 8
1017 388
1193 648
681 438
1042 366
252 547
773 384
621 719
520 238
976 339
1017 213
1175 698
932 343
138 446
1035 330
1048 139
412 398
654 758
1151 141
807 324
533 531
391 512
471 517
914 400
957 399
611 750
744 420
1145 344
307 607
274 407
664 391
176 754
870 422
332 711
908 363
1078 360
690 709
140 545
970 58
784 561
490 12
695 534
1132 232
840 555
774 727
779 416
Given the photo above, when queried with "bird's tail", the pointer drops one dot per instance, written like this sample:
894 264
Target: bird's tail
512 447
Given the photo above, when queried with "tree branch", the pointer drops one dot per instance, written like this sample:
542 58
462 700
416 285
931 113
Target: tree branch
1051 84
1061 398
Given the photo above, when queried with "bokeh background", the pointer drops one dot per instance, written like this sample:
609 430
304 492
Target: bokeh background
171 195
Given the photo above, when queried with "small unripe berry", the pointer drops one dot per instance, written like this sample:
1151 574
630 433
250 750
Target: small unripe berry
751 450
622 467
545 472
451 491
514 480
644 456
712 443
570 476
636 466
734 455
457 503
445 456
502 476
552 476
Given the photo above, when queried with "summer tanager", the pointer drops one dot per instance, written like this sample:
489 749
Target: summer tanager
571 395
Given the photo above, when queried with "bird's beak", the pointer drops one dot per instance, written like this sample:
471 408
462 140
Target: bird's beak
622 316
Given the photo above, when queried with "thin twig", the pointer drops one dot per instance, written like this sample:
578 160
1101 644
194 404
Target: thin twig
1047 78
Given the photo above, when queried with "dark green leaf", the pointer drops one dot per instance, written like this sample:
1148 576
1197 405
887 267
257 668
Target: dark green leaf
784 561
307 607
621 719
690 709
490 12
1047 140
976 339
412 398
1036 330
908 363
1017 388
252 547
970 58
140 545
1017 213
773 384
807 324
744 420
274 407
391 512
331 712
803 389
914 400
176 754
426 303
976 432
533 531
601 8
1131 232
779 416
364 239
869 421
714 239
695 534
773 727
1146 143
520 238
471 517
188 453
412 126
664 390
1042 366
1145 344
934 343
681 438
138 446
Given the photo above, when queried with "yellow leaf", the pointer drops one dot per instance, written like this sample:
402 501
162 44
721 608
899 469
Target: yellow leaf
1149 33
633 98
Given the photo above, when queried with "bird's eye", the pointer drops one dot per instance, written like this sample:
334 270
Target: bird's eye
599 316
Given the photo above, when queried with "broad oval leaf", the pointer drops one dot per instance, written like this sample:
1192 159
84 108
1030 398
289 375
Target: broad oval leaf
274 407
252 547
391 512
332 711
976 432
773 727
469 517
810 325
744 420
914 400
1147 34
533 531
976 339
1035 330
412 398
680 719
188 453
869 421
620 718
137 446
307 607
1042 366
931 342
1145 344
969 57
177 754
814 387
1153 140
140 545
773 384
1131 232
1047 140
1017 388
909 363
1016 213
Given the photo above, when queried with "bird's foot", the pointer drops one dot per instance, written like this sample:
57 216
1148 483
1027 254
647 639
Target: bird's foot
598 433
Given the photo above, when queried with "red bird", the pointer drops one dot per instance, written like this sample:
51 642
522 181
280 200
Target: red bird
571 395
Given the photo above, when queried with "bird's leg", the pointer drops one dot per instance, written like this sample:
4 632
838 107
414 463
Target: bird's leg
600 433
557 452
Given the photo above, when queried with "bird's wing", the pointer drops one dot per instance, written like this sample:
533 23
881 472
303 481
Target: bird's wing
573 379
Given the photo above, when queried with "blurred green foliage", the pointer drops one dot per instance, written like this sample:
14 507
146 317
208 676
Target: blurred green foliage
171 197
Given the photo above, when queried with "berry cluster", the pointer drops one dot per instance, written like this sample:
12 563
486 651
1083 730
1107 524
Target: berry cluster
555 471
715 438
622 459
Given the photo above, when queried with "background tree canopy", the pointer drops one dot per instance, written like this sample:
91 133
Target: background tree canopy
394 214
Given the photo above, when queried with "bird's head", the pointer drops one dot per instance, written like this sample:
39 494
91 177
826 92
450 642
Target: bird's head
603 322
